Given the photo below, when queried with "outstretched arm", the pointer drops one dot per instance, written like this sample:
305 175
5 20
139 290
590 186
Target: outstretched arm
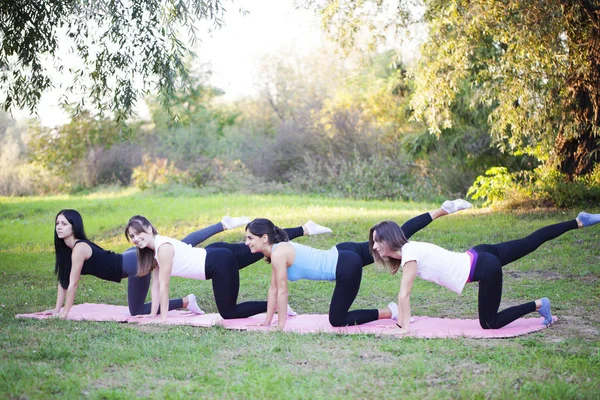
409 272
166 253
81 252
60 298
272 298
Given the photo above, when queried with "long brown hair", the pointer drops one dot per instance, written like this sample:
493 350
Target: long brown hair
145 256
262 226
391 234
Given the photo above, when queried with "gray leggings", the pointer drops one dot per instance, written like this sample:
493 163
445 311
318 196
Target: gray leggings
138 286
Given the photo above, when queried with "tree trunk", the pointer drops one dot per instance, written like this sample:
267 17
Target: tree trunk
578 155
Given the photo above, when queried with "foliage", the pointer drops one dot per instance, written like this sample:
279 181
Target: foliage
494 186
535 63
359 178
194 136
73 152
540 187
156 172
119 45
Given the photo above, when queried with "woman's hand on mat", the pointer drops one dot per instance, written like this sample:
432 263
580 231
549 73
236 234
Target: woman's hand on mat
144 316
403 331
47 312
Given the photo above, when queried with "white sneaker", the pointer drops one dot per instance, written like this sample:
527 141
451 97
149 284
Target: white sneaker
394 307
452 206
193 305
290 312
316 229
231 222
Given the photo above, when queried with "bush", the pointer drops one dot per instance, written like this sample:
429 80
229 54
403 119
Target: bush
543 186
373 178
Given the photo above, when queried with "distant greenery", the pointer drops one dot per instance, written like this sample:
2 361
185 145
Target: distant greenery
66 359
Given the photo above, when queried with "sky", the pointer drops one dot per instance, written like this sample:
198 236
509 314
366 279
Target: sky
234 51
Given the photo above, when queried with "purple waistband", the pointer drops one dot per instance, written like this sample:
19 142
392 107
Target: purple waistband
473 255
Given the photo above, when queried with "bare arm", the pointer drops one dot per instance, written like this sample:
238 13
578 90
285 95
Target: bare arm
409 272
280 260
155 292
271 299
81 252
60 298
166 252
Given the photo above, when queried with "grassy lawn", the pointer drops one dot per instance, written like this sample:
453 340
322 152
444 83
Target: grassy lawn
64 359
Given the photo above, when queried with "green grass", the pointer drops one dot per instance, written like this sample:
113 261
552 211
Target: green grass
65 359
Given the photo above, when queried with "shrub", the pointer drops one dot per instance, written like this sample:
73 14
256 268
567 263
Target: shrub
372 178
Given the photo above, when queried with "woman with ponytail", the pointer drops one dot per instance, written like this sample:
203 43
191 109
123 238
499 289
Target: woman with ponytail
220 262
343 264
76 255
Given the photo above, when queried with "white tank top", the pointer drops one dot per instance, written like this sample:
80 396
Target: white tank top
436 264
188 261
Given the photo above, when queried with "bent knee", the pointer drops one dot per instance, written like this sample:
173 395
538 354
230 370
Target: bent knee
489 324
135 311
337 321
228 314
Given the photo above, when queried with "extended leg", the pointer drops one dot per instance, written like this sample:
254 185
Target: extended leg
510 251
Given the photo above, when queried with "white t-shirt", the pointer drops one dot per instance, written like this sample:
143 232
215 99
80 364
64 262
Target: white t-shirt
436 264
188 261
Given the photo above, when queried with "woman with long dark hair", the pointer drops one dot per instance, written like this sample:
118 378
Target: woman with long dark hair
76 255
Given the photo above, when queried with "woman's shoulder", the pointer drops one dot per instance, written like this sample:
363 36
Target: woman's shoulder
165 239
84 244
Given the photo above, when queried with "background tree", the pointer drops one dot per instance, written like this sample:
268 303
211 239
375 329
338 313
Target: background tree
535 63
125 48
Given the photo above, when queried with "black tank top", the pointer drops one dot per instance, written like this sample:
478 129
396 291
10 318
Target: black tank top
103 264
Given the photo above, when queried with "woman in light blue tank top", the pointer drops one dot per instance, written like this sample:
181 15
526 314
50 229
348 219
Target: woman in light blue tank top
342 263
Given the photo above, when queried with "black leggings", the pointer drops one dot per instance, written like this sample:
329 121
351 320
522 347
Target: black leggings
352 257
137 286
223 262
488 272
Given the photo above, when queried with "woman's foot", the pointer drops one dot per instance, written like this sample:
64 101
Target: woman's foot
193 305
290 312
544 311
394 309
452 206
312 228
233 222
585 219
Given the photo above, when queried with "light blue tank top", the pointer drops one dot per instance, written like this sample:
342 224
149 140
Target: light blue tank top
313 264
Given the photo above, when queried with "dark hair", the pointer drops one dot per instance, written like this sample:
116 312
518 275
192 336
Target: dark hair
391 234
145 256
62 265
263 226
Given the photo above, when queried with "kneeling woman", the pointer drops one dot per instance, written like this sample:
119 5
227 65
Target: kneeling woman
342 263
482 263
76 256
220 262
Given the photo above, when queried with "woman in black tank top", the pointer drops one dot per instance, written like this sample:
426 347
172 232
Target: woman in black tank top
76 255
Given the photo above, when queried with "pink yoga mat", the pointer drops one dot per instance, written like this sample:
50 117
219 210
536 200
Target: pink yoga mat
423 327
